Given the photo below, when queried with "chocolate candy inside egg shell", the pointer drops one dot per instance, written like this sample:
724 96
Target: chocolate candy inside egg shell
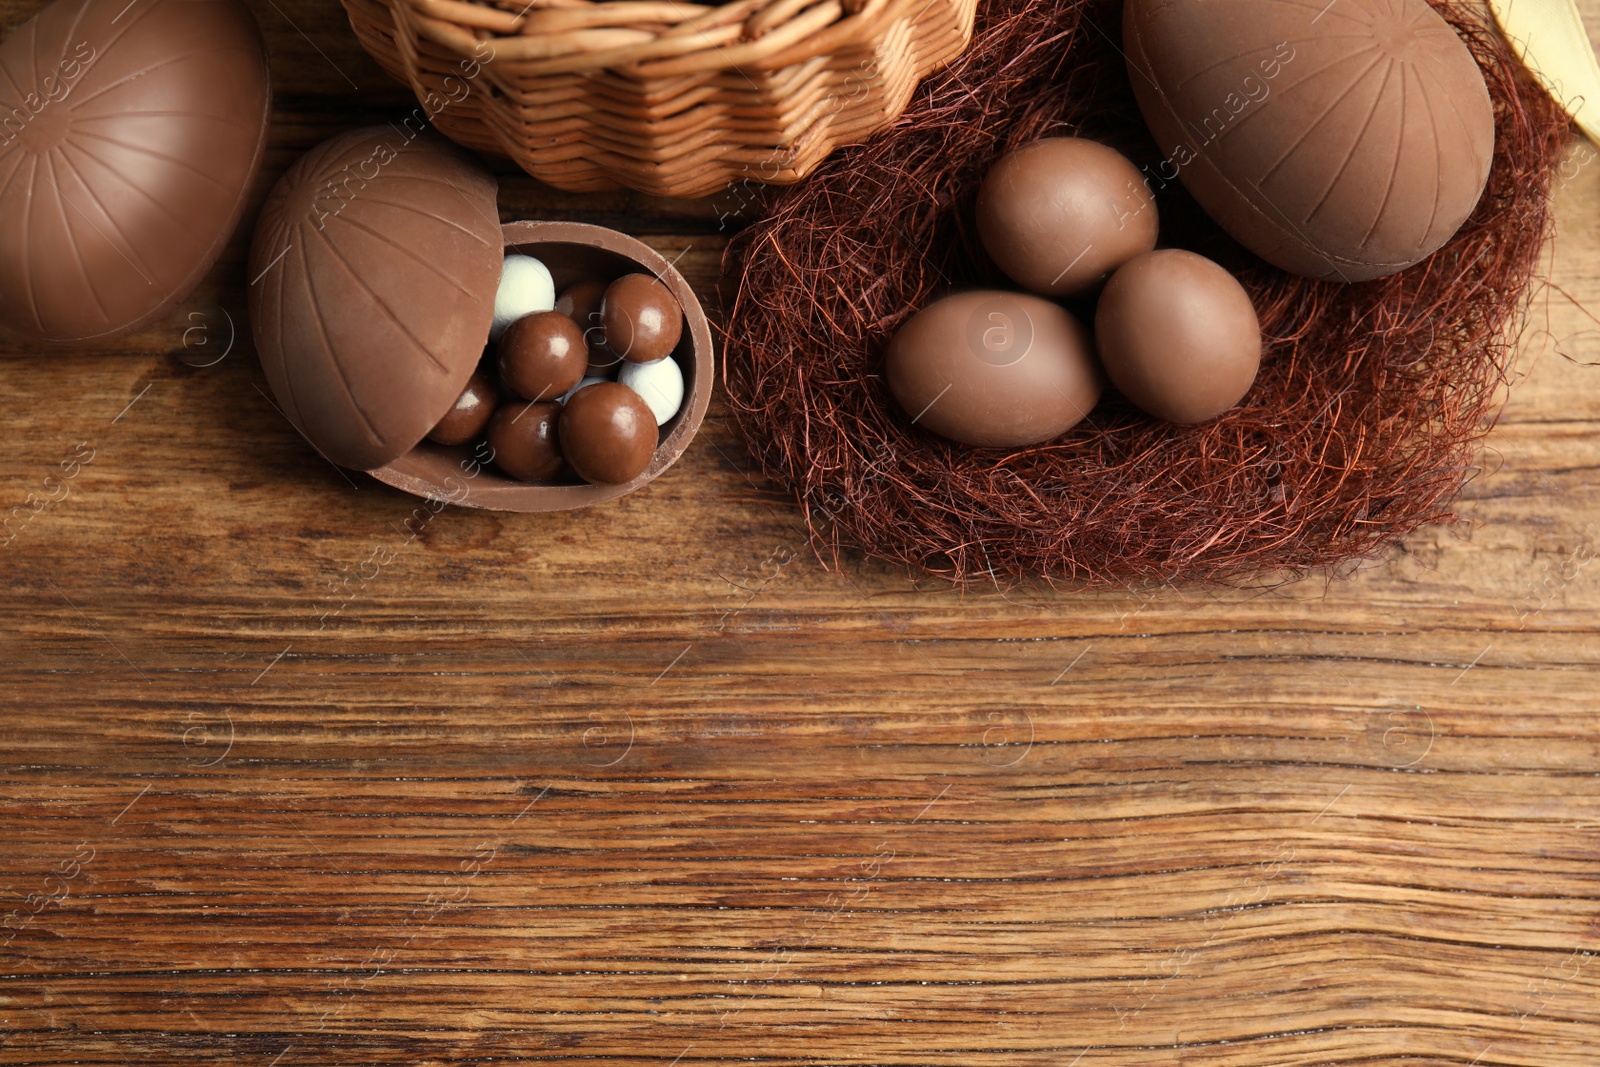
1342 142
581 303
525 441
643 321
129 139
526 286
608 433
542 355
1062 213
587 381
470 413
1178 335
659 383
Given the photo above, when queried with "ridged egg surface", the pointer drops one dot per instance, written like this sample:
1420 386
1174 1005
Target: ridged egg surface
130 134
1343 140
374 270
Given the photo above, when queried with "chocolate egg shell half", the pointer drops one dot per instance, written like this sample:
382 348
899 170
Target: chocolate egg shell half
1343 142
993 369
376 261
575 252
129 138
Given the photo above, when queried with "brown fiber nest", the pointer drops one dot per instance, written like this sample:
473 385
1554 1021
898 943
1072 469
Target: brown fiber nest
1364 424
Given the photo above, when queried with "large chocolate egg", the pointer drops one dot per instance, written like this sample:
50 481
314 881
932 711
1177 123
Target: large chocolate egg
1342 141
375 265
129 138
993 369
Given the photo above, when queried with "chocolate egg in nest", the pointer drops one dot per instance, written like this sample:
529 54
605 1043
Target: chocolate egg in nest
1364 423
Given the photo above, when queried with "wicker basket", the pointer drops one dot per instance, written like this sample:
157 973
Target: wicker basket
677 99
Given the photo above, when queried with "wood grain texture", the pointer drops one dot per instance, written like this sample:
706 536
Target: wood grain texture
647 785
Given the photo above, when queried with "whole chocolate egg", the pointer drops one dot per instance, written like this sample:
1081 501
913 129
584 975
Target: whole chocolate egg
1060 214
1178 335
129 138
374 272
993 369
1343 141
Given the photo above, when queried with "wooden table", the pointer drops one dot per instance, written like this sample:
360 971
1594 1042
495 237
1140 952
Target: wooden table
647 785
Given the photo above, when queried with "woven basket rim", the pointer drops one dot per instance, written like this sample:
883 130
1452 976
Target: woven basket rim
764 88
658 38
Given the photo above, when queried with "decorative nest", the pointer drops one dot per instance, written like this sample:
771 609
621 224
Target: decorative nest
1364 424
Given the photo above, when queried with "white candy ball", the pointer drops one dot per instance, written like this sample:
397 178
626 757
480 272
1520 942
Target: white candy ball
525 287
570 393
660 383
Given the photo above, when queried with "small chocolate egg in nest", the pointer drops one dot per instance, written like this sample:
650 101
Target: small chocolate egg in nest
1364 423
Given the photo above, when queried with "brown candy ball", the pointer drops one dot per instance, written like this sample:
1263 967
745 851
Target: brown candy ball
542 355
642 319
603 363
525 440
581 303
1178 335
608 433
470 414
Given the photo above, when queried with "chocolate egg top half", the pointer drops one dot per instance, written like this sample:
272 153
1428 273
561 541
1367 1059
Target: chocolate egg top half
1062 213
375 265
129 138
993 369
1342 142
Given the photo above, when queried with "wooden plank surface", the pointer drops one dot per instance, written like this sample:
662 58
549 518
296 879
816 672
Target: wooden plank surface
647 785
